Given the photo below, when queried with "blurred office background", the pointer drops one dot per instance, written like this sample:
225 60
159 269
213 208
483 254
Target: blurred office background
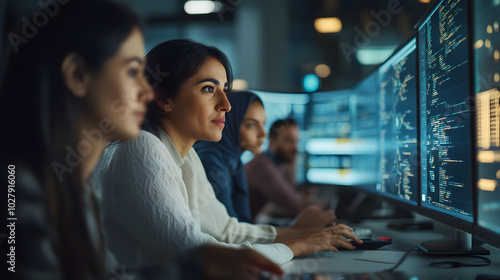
311 60
273 44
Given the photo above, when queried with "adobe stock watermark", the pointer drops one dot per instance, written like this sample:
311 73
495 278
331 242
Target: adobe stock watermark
312 263
30 28
85 146
155 75
92 138
362 38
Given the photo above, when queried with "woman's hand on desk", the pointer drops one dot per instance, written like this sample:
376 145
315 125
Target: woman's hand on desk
309 220
226 263
323 240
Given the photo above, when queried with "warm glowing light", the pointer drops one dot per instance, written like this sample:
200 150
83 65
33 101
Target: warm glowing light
495 26
496 55
328 25
486 157
487 43
498 174
488 124
424 1
322 70
487 185
201 7
496 78
489 29
240 84
478 44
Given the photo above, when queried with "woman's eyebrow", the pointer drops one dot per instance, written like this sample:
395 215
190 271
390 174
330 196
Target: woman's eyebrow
132 59
210 80
251 119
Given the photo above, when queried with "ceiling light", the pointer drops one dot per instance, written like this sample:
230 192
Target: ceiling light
328 25
201 7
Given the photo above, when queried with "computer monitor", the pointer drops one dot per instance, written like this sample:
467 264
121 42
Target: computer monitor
342 146
334 144
398 109
446 143
365 130
487 97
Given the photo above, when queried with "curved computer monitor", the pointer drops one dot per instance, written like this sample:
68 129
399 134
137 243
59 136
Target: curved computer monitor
398 119
446 125
341 144
487 96
445 119
365 130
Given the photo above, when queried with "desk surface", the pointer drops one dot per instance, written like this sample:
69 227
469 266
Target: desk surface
416 264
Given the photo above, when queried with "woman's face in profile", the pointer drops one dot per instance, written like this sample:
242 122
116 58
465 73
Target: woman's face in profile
118 94
198 111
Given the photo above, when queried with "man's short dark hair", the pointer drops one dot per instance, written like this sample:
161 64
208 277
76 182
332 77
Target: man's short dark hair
279 125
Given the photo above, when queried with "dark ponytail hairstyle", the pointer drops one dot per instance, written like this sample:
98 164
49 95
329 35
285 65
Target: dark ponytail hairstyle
170 64
40 118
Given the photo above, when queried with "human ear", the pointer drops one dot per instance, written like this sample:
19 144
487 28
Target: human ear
74 75
165 105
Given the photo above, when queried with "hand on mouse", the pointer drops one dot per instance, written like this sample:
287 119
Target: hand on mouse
323 240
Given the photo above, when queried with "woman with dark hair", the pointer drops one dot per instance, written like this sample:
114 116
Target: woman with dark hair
156 185
79 82
244 131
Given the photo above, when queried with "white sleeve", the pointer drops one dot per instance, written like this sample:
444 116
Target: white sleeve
145 200
213 214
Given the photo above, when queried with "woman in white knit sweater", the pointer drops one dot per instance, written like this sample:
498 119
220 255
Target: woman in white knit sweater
157 199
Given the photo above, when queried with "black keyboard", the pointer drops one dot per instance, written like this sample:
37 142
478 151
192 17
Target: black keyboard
380 275
372 244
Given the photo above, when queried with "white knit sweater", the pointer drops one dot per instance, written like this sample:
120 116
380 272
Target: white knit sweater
157 204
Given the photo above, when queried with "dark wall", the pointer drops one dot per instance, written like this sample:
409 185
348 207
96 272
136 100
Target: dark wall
3 12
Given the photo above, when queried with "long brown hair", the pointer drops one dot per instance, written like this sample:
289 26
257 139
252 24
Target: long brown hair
42 115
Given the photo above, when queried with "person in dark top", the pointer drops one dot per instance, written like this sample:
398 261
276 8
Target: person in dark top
244 131
75 83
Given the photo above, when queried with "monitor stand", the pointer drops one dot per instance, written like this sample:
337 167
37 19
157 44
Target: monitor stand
461 245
